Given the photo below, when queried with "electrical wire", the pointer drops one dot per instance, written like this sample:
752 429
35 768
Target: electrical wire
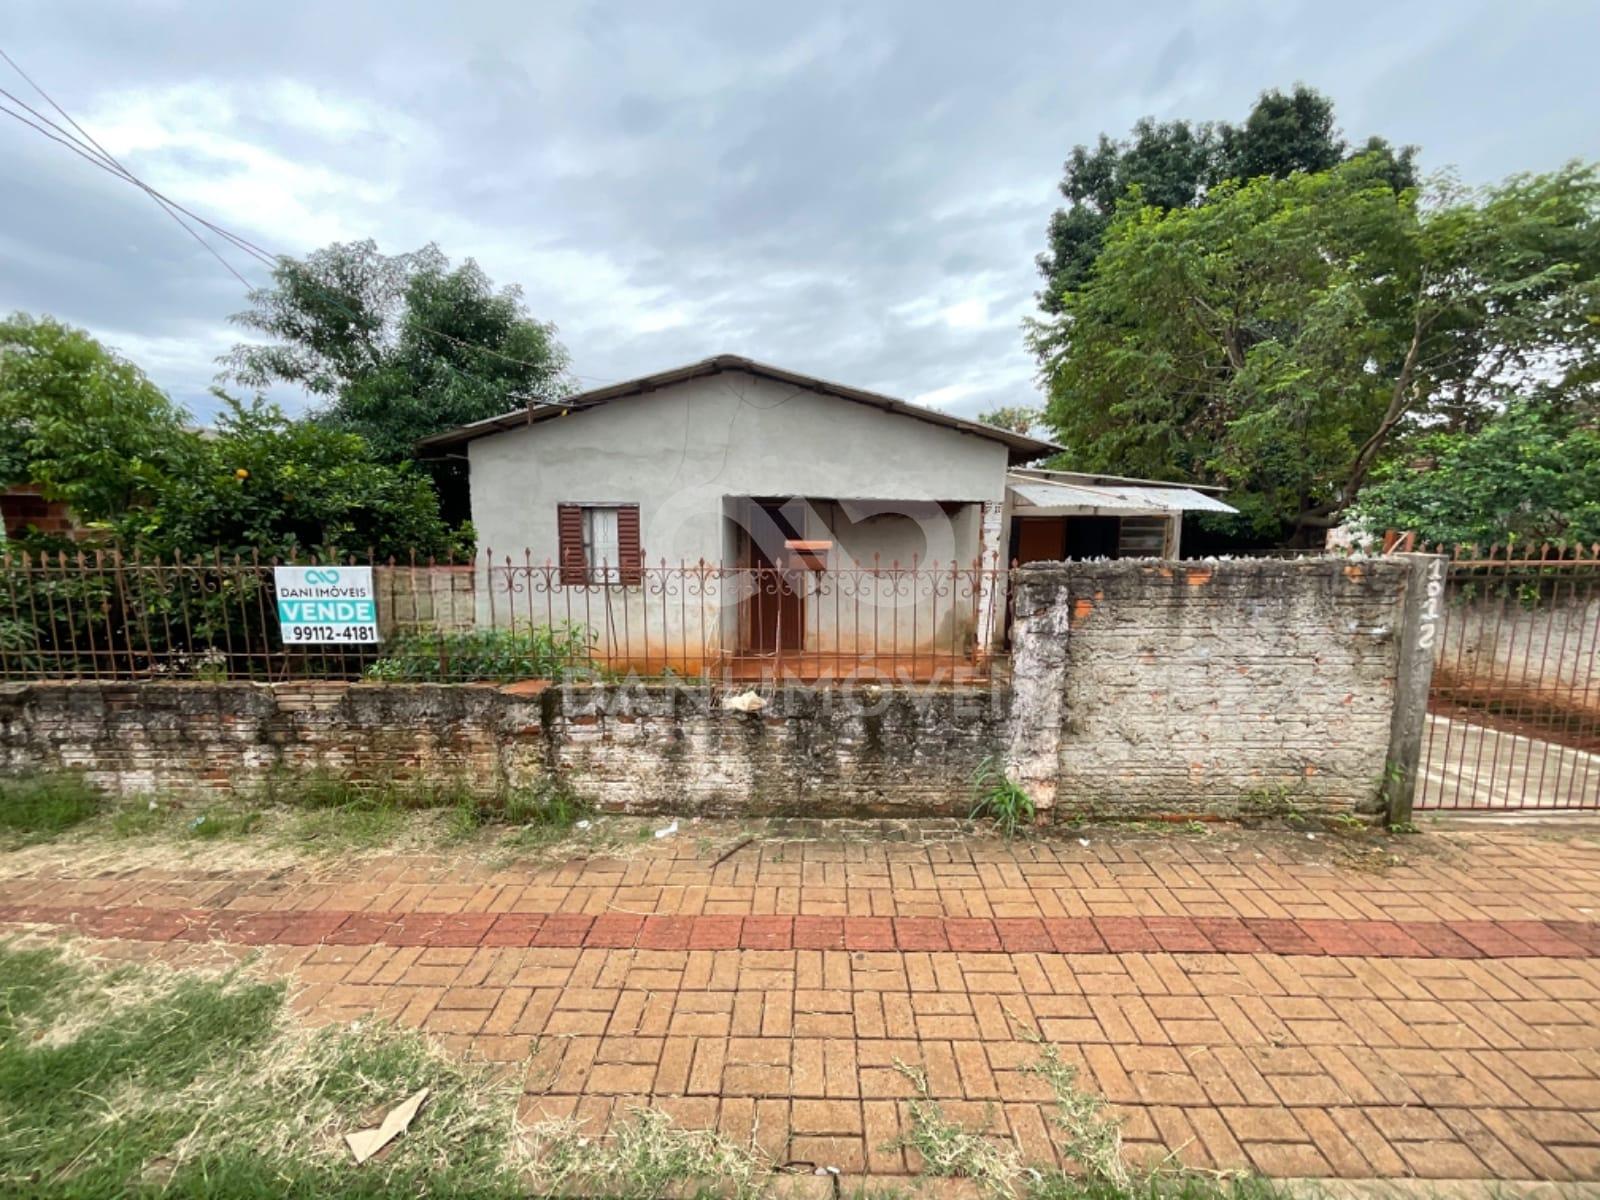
102 158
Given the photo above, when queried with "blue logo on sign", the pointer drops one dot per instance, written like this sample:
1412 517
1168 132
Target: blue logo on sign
328 576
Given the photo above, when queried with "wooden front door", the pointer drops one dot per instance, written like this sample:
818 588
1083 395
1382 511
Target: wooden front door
775 612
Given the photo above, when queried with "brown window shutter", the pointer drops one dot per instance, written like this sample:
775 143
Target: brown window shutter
569 539
630 555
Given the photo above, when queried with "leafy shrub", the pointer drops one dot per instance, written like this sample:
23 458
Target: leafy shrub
543 652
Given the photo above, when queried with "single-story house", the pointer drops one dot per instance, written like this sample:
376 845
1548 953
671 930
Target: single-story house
732 513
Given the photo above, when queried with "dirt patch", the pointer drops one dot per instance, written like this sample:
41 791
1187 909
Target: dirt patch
1566 717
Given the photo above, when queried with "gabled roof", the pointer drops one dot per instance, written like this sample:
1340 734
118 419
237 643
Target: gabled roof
1022 448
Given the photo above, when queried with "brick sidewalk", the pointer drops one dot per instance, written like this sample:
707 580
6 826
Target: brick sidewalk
1256 1001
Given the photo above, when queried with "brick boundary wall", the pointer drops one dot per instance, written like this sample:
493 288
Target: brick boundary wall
1215 688
1220 687
653 747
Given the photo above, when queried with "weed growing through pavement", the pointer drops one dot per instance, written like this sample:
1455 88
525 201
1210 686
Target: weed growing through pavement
1000 799
1089 1139
951 1151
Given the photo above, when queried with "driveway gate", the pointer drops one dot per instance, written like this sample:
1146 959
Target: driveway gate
1514 708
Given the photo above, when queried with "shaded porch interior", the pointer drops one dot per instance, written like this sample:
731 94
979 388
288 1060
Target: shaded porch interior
853 588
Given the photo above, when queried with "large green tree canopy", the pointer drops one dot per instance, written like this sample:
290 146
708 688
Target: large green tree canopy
1281 338
395 347
79 421
1175 164
90 429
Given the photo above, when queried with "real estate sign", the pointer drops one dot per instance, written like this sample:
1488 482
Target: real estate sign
326 604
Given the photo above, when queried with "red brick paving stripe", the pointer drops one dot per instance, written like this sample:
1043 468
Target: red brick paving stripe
665 933
868 933
967 935
1178 935
974 935
715 933
1493 938
515 929
1230 935
767 933
564 930
1390 941
1339 938
1284 937
819 933
1023 935
611 931
1126 935
921 933
1583 935
1439 940
1074 935
1542 939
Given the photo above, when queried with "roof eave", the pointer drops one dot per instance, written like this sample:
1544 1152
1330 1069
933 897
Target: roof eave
1021 449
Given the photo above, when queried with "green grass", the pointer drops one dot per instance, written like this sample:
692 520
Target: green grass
314 809
140 1081
223 822
40 805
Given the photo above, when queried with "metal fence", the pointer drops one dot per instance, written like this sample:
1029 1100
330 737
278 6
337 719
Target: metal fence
100 614
1514 708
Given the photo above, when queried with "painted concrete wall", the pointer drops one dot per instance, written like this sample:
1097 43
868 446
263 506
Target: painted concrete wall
1540 649
683 454
678 451
1249 687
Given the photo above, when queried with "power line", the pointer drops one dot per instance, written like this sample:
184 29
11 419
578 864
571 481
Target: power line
102 158
70 145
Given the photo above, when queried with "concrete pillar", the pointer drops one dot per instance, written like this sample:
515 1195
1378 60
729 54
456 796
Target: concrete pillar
991 630
1041 624
1421 615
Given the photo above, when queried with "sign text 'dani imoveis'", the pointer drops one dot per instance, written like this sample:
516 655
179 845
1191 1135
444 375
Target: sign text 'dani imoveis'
326 604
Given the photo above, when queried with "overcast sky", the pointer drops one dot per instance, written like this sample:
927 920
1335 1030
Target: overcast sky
855 190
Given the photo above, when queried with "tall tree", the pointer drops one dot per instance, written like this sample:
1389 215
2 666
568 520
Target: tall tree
396 347
1282 337
1015 417
84 424
1175 164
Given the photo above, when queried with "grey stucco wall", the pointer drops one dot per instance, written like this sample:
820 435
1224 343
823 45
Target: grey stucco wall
679 451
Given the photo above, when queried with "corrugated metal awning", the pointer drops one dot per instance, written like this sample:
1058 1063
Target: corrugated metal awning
1035 493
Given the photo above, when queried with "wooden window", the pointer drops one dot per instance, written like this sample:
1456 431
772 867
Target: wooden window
599 543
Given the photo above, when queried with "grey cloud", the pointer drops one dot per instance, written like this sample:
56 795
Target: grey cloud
813 185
